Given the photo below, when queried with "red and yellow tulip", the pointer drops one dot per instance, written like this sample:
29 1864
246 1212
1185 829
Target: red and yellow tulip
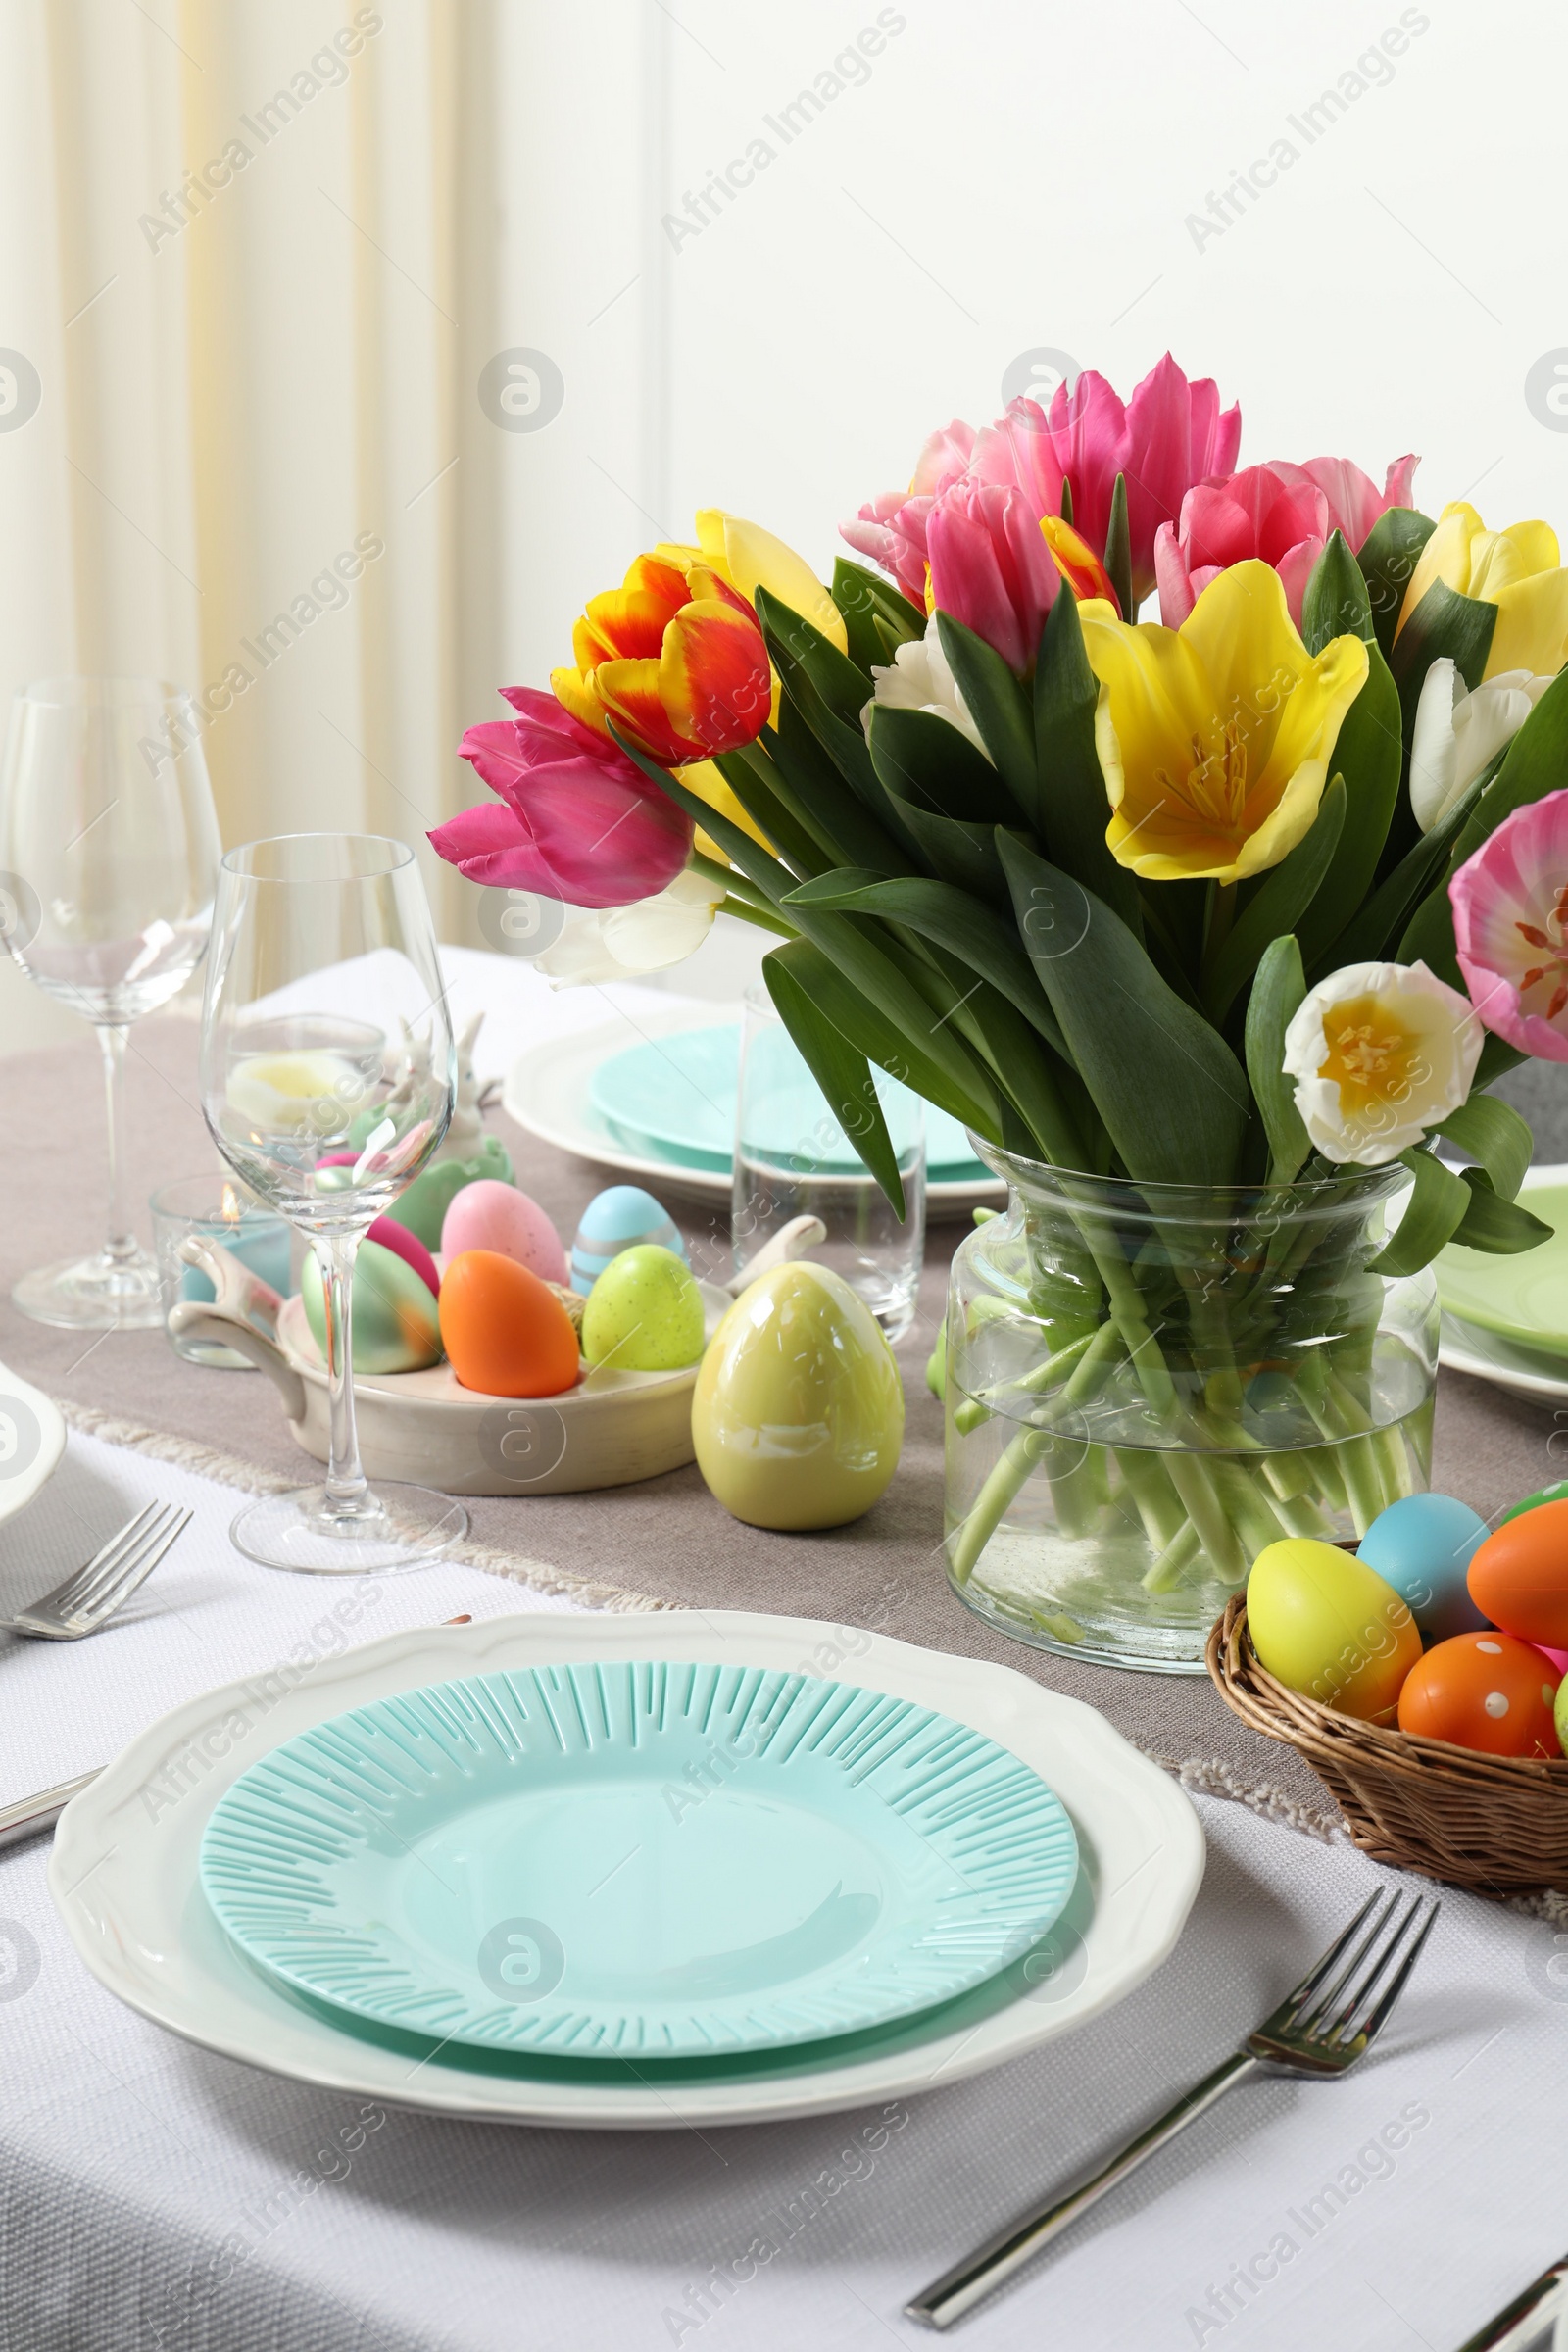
674 657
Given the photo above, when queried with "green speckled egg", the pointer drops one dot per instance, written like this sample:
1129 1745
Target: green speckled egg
396 1320
643 1313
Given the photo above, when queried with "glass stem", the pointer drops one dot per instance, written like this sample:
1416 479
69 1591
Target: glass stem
119 1246
346 1487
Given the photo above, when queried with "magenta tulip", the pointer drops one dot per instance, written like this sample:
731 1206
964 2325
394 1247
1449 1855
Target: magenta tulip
577 820
1510 928
991 567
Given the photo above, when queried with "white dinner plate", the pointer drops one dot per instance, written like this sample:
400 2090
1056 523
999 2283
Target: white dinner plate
32 1438
547 1091
124 1876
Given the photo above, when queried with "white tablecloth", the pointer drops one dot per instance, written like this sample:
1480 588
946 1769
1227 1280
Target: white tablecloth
152 2195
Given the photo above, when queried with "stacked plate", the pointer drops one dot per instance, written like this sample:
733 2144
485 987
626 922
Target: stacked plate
628 1871
1505 1319
662 1110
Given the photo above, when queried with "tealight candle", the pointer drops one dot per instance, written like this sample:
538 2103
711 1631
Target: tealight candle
219 1210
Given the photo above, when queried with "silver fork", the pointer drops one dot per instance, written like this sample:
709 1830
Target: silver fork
1330 2021
87 1599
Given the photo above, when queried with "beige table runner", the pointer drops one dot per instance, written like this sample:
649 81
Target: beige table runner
665 1543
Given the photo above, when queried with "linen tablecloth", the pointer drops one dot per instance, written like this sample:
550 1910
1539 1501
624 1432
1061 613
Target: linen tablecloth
152 2195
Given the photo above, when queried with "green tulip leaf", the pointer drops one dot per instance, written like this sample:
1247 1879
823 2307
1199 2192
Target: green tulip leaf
1494 1135
1278 989
816 789
1367 754
863 599
795 645
1118 550
999 708
1534 764
1276 907
1388 558
849 754
928 763
1433 1213
1073 807
1171 1094
955 920
768 802
841 1071
1500 1227
1372 932
1337 603
897 1043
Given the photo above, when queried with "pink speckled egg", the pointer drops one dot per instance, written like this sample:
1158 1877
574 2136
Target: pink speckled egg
490 1215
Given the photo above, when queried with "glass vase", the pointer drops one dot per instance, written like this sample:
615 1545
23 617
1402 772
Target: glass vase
1147 1383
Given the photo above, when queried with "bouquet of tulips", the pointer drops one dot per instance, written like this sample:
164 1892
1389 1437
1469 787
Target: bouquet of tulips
1257 896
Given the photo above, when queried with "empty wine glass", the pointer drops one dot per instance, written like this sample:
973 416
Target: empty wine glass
301 1103
109 849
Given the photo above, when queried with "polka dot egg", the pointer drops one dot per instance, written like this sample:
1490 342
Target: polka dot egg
623 1217
1482 1690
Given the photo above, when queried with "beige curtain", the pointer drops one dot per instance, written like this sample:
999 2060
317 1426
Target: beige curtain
260 257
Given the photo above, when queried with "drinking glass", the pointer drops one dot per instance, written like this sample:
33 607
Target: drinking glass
794 1159
300 1104
109 850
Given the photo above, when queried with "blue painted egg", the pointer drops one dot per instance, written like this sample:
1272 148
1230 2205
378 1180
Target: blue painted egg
1421 1545
624 1217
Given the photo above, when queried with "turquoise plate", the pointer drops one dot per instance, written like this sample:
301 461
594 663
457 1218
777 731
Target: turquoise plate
674 1100
637 1859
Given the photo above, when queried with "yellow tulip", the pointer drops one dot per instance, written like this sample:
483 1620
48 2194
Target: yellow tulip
747 557
1215 739
709 785
1517 569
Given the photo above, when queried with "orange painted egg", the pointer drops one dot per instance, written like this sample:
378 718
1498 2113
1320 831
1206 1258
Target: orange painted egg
504 1332
1482 1690
1519 1576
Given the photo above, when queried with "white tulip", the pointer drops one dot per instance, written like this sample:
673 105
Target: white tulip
920 680
620 942
1380 1052
1458 732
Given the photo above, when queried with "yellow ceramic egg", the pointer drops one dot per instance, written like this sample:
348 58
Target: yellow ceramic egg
798 1415
1326 1626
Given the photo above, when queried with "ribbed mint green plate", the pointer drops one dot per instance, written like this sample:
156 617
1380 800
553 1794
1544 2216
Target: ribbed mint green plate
673 1099
637 1858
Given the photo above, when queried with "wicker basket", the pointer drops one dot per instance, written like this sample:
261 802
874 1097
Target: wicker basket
1497 1825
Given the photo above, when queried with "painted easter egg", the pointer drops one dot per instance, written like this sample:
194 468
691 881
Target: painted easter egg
798 1414
423 1204
1519 1577
643 1313
506 1333
390 1235
623 1217
488 1215
1422 1545
1558 1491
395 1321
1328 1626
1484 1691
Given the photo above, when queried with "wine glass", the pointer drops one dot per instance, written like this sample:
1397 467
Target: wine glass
109 850
300 1104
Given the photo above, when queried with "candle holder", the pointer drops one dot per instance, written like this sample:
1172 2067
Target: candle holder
217 1210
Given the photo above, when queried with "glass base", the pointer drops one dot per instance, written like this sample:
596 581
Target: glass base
400 1527
1150 1640
94 1293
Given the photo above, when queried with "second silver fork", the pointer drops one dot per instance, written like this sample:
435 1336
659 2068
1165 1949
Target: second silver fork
90 1597
1324 2025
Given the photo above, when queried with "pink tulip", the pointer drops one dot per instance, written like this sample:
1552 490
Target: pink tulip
577 820
1510 928
891 527
991 567
1276 512
1279 513
1169 435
